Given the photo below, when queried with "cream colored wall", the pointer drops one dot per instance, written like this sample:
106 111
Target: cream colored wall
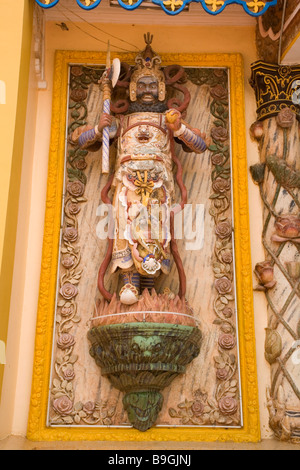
9 74
34 177
15 44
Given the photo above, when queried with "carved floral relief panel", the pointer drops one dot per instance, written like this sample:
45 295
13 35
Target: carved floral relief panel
214 388
209 392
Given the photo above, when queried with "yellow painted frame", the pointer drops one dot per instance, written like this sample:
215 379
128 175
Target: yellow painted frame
250 432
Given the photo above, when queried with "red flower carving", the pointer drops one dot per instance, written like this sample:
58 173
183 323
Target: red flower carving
63 405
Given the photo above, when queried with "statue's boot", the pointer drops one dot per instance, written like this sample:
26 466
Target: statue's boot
129 294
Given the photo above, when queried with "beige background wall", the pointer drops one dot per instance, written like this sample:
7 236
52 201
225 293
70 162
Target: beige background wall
21 333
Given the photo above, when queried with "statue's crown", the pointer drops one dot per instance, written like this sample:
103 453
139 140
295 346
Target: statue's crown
147 64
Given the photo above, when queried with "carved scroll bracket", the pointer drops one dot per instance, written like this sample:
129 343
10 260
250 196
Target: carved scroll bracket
276 88
277 29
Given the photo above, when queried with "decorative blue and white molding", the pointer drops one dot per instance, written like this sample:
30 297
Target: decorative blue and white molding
173 7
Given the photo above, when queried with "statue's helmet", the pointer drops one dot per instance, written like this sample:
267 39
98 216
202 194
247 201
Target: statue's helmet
147 64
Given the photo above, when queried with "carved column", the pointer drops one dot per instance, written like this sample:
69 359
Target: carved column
278 177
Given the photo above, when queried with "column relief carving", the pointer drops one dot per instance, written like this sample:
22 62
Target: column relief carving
278 177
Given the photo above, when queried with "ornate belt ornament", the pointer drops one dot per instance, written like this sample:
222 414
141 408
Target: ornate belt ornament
144 187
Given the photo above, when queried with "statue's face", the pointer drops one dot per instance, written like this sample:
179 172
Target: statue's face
147 90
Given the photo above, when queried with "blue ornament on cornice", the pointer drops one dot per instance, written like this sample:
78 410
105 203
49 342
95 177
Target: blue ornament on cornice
173 7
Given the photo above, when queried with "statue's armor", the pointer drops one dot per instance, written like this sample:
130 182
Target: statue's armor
143 181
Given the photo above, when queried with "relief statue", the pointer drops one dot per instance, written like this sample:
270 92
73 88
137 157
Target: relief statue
141 355
143 177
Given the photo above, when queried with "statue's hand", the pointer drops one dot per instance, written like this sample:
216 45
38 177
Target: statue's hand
104 121
173 120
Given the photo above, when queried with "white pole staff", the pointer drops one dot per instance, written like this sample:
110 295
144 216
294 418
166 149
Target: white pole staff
109 80
106 84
